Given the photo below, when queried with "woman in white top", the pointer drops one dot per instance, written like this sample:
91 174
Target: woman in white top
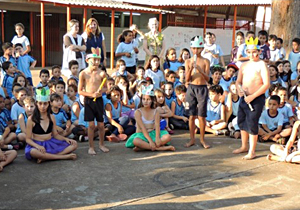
73 48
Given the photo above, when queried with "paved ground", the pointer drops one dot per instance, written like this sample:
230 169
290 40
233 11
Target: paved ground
192 178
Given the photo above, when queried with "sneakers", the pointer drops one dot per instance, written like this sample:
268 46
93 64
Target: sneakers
83 138
222 132
171 126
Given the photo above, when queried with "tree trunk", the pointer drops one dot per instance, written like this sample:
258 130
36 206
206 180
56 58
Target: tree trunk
285 21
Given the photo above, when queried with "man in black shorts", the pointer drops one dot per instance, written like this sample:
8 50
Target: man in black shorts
90 80
197 75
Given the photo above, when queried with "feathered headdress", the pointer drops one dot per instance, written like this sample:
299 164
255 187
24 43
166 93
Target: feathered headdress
147 90
96 53
252 44
42 95
198 42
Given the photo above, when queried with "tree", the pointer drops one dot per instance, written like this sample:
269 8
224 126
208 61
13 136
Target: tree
285 21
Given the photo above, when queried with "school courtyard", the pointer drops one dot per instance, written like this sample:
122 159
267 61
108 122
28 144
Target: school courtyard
193 178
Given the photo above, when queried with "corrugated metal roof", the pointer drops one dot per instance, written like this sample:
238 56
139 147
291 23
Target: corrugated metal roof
104 4
167 3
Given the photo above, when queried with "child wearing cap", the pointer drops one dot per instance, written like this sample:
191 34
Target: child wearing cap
197 76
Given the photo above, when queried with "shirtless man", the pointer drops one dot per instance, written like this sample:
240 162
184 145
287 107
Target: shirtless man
197 75
90 80
255 80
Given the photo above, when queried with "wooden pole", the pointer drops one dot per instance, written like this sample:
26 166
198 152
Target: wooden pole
84 17
68 15
160 22
112 39
31 29
205 21
130 19
2 25
263 25
234 25
43 35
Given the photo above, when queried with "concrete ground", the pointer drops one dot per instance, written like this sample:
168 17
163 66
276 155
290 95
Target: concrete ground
192 178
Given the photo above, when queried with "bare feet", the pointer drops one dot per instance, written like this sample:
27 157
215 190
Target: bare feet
113 138
204 145
136 149
166 148
38 161
72 156
189 144
103 148
273 157
249 157
240 150
1 168
91 151
276 137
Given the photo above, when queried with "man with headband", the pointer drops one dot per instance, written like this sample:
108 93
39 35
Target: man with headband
90 80
253 80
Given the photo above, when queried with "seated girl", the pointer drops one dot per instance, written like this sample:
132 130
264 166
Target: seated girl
165 111
148 135
43 141
114 122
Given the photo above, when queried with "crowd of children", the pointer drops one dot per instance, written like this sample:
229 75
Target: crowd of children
255 97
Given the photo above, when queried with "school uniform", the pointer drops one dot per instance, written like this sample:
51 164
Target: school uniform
272 122
16 110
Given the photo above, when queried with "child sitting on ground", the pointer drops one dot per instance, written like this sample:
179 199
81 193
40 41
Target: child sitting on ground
171 77
63 123
121 71
18 107
7 135
140 73
6 157
42 138
137 96
44 77
169 94
165 110
285 108
117 124
215 120
181 75
171 63
72 92
148 135
29 105
228 77
60 87
153 71
73 66
56 73
179 120
9 77
271 122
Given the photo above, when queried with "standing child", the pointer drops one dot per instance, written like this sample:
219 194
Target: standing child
264 48
21 38
210 51
56 73
219 49
281 49
184 55
274 52
24 62
29 106
171 62
127 50
148 135
179 119
122 71
153 71
43 141
197 75
242 51
254 79
90 80
271 122
294 55
239 41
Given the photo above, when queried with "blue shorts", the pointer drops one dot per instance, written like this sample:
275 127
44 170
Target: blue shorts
196 100
247 120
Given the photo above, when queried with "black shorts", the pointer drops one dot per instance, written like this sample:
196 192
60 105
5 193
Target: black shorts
196 100
131 69
93 109
247 120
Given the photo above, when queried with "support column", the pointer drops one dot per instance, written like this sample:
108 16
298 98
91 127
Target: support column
2 25
112 39
31 29
43 52
160 22
84 18
263 25
130 19
68 15
205 21
234 26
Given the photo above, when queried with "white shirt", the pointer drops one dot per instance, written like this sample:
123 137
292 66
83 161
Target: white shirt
22 40
214 50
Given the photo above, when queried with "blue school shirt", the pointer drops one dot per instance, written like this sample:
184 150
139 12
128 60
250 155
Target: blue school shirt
11 59
294 57
225 83
213 112
271 122
76 78
2 92
235 105
16 110
179 109
25 120
287 112
157 77
294 75
40 85
8 83
73 116
5 113
114 111
127 48
61 117
54 79
136 99
125 108
23 64
176 83
169 101
174 65
119 74
3 125
81 119
265 52
67 101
